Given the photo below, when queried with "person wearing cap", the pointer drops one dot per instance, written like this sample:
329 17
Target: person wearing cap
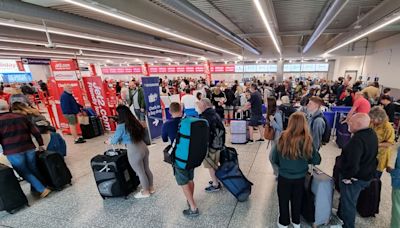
18 147
315 120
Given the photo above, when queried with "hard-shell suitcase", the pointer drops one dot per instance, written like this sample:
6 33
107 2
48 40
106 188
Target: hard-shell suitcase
239 131
113 174
53 169
343 135
11 195
318 198
233 179
93 129
369 199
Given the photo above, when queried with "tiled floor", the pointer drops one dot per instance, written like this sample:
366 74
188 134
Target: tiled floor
81 206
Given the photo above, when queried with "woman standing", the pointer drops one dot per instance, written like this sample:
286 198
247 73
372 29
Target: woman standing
385 132
292 155
274 119
131 132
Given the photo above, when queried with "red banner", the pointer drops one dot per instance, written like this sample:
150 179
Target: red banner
20 66
168 69
64 65
145 69
97 96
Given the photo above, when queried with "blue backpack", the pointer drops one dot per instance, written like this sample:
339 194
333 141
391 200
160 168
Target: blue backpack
191 144
57 144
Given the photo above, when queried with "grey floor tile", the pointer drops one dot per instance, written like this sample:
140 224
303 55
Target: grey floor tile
81 206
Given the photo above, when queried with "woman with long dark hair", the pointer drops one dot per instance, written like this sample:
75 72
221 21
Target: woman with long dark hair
131 132
292 155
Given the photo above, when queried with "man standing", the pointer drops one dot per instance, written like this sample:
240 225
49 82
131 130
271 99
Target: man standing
361 105
256 118
70 108
183 177
216 141
136 99
315 120
16 141
358 166
189 104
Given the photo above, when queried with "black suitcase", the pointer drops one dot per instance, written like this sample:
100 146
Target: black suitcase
11 195
369 199
54 172
93 129
113 174
308 200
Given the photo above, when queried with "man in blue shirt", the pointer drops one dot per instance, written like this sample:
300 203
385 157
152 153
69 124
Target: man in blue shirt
184 178
170 128
70 108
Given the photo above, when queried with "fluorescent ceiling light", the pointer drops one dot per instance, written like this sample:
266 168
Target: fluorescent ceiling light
63 52
115 14
369 31
267 25
40 28
70 46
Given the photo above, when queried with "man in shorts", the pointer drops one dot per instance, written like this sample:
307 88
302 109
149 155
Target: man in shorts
70 108
216 142
256 118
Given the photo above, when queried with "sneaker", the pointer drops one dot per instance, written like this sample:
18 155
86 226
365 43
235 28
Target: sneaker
152 191
45 193
140 195
261 140
250 142
212 188
281 226
190 213
80 140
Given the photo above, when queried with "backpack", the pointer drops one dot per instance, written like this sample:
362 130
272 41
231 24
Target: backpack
191 144
287 111
326 136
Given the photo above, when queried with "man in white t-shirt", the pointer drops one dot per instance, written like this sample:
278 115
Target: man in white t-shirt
188 102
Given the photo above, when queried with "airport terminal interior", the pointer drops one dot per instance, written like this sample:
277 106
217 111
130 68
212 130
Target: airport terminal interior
111 112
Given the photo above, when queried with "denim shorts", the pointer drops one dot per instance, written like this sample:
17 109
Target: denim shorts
182 176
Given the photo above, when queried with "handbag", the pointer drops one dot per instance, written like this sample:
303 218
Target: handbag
269 132
167 155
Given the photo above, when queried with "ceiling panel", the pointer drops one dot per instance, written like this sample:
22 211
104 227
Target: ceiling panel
295 15
350 12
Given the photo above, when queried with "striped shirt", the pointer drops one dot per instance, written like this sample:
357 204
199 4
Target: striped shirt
15 133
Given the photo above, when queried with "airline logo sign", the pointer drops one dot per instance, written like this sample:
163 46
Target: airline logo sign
97 98
69 65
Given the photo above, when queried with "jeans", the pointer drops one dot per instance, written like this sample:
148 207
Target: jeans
290 190
25 165
395 221
140 115
349 194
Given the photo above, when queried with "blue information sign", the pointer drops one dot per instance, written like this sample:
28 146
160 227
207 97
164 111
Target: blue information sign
16 77
151 91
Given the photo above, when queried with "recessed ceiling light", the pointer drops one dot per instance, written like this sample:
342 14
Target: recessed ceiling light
135 21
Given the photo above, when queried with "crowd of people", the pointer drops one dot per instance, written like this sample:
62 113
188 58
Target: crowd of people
294 109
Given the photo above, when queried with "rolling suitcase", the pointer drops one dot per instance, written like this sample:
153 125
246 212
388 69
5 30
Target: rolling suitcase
11 195
113 174
53 169
343 135
232 177
318 198
239 131
93 129
369 199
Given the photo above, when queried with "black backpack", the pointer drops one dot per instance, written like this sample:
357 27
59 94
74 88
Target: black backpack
326 136
287 111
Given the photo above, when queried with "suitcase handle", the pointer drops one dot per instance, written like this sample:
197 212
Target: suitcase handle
113 152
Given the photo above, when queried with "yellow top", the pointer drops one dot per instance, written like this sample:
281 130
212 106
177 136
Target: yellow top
372 92
386 155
